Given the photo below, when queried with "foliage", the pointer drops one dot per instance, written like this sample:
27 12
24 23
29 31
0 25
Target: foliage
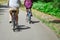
48 8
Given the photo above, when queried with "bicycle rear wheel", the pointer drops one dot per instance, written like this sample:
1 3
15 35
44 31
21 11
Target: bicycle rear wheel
13 21
29 17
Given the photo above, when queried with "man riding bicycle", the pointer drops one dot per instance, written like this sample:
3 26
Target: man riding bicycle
14 5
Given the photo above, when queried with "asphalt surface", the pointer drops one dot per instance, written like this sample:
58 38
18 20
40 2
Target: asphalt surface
35 31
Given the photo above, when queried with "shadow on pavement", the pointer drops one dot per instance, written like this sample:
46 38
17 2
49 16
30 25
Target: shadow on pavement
35 22
55 21
1 10
21 27
3 6
1 14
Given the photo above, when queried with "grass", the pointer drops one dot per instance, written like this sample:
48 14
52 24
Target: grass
47 8
3 1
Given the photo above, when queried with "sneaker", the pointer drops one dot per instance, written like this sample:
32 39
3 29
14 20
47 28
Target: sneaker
10 21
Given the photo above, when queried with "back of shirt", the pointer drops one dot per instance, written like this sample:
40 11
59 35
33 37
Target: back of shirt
28 3
14 3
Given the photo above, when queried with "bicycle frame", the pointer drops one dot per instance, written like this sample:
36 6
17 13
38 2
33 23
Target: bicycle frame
29 16
13 19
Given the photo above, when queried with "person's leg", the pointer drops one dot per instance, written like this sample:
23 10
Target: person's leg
26 11
10 16
17 19
31 12
17 12
27 14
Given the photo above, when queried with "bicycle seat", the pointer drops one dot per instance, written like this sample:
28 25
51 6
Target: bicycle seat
14 11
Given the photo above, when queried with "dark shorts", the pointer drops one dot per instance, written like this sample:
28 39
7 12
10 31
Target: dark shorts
29 7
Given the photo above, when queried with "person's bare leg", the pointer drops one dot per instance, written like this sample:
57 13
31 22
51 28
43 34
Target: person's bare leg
17 19
10 19
26 11
17 12
31 12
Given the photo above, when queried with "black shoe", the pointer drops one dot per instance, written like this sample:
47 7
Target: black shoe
10 21
30 22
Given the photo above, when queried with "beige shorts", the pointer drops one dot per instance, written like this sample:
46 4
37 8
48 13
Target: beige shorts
17 10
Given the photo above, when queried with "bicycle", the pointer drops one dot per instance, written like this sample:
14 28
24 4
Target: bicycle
13 19
28 16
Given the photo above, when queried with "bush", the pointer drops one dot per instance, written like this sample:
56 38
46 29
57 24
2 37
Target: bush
47 8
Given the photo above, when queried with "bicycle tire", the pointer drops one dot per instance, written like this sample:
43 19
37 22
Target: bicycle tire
29 16
13 20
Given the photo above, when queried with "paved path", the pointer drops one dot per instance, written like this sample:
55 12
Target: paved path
35 31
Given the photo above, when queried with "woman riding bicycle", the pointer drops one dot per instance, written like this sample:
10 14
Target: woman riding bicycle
28 4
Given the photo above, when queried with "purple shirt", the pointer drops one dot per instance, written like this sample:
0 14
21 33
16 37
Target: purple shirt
28 3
